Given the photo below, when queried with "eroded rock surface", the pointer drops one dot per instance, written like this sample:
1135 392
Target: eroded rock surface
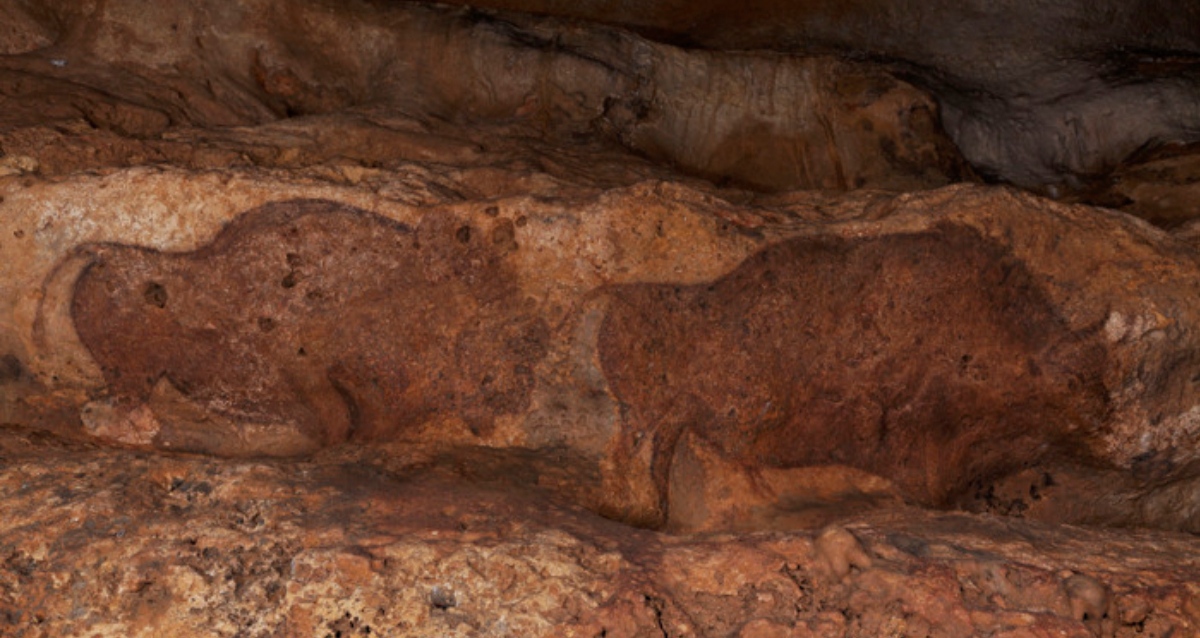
1031 92
945 347
105 542
326 318
930 359
758 120
323 321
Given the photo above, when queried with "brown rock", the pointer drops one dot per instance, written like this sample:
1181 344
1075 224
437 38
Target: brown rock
838 550
315 318
760 121
1029 92
1139 445
908 357
112 543
1159 186
424 331
420 291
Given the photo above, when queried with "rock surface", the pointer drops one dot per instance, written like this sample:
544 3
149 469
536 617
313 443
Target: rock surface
367 327
1032 92
309 323
397 542
771 122
386 319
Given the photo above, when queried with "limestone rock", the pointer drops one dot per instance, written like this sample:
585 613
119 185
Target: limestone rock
394 319
105 542
770 122
1158 186
976 334
930 359
351 327
1032 93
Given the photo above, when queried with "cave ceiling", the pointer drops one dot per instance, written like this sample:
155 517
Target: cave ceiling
1035 93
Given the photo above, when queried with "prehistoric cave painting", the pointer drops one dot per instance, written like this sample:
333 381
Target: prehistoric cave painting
931 359
350 325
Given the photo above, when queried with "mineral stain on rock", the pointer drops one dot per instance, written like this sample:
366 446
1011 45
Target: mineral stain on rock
329 319
931 359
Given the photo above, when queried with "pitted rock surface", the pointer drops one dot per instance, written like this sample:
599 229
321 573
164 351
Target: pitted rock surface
339 322
931 359
334 319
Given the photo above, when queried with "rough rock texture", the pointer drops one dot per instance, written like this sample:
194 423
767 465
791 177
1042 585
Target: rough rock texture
932 359
795 122
972 335
355 327
1032 92
398 543
1159 186
334 319
1115 373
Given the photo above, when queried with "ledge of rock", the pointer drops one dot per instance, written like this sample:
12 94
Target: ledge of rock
399 319
398 541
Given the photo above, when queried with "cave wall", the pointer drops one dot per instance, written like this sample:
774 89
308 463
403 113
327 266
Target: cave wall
590 319
1032 92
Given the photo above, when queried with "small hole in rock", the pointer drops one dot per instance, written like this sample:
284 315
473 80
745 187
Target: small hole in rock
442 598
155 294
463 234
10 368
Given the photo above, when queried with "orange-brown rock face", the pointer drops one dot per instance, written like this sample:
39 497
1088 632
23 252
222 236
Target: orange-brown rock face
930 359
937 354
1030 92
324 319
757 120
102 542
394 319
